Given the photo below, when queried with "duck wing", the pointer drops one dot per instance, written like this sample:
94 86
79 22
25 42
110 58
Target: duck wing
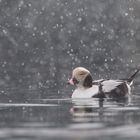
112 88
110 85
98 82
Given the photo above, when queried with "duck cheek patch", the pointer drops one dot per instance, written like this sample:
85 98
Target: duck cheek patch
88 81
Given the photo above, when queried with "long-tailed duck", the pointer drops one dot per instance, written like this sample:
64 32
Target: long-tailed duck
87 88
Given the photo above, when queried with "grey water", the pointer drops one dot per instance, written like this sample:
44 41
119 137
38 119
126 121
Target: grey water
63 118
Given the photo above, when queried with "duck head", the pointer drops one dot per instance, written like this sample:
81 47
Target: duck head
81 77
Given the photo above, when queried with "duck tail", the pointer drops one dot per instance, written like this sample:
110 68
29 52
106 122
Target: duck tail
131 78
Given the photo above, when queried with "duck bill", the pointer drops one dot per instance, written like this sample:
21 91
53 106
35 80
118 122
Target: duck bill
71 82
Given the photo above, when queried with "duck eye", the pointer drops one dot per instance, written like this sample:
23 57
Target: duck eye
81 74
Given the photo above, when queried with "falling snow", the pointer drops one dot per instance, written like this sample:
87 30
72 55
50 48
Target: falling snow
41 41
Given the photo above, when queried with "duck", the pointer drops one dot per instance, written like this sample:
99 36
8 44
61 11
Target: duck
86 87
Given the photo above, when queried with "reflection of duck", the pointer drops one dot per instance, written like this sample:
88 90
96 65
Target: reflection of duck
98 109
87 88
87 107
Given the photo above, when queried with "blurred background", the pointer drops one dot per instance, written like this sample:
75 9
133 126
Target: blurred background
41 41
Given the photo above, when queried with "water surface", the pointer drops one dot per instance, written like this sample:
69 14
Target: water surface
64 118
